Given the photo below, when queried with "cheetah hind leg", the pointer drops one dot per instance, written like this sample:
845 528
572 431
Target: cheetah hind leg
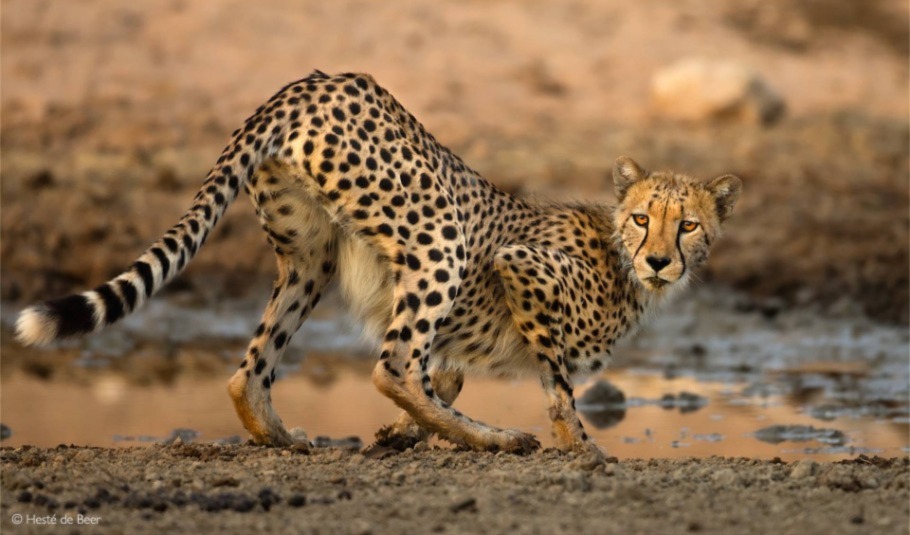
405 433
306 264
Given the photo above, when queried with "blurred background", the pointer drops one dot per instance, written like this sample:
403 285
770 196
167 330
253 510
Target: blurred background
112 113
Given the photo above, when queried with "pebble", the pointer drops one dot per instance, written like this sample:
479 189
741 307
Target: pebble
727 477
696 89
803 469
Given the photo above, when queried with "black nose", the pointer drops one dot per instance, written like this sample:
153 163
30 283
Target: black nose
657 263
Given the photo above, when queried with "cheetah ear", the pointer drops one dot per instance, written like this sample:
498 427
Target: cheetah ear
625 173
725 190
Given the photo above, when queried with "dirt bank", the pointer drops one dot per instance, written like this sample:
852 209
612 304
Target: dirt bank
113 113
205 489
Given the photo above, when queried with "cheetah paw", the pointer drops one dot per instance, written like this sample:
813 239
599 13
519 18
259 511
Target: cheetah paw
517 442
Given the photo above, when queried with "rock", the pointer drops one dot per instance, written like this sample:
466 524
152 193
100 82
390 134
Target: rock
776 434
603 405
5 432
803 469
703 90
602 393
727 477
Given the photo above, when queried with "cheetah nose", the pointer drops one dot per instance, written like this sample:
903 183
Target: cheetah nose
657 263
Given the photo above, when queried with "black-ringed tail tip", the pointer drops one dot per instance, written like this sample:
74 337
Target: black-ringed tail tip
43 324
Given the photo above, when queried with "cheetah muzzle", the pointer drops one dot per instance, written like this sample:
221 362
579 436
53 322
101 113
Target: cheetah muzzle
447 272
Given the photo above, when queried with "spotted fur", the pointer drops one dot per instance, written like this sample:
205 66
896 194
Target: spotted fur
450 274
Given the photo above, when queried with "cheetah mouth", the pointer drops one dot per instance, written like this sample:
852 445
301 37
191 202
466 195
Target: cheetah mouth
657 282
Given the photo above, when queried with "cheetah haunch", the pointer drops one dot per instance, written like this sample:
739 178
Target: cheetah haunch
450 274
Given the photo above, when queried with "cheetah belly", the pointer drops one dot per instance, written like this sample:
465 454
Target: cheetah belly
366 285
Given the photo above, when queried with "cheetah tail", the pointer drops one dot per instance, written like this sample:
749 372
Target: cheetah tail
92 310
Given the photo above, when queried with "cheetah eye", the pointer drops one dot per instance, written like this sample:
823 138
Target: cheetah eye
688 226
640 220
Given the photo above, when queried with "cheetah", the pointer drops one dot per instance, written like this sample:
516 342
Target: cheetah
449 274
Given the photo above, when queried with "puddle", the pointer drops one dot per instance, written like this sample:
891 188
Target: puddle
112 412
707 378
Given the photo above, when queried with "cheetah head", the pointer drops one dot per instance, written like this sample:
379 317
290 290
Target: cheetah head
666 222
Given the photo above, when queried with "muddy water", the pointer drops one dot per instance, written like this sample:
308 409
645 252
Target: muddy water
715 375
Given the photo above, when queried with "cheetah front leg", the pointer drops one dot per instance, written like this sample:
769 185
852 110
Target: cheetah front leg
404 433
538 312
402 371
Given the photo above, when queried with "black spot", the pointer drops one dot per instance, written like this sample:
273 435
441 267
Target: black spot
413 301
260 365
434 299
449 232
413 262
280 340
405 334
441 275
424 239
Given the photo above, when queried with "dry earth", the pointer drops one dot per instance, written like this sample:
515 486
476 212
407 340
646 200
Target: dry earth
234 489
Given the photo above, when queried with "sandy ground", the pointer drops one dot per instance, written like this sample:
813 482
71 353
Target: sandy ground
204 489
231 489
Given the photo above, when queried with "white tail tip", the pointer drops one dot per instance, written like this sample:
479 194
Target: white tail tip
35 328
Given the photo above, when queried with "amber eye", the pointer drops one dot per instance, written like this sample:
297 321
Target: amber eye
688 226
640 220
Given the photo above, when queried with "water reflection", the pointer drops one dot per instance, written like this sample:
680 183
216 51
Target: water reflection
110 412
703 379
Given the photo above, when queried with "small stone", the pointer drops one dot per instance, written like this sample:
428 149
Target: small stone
297 500
467 504
803 469
727 477
697 90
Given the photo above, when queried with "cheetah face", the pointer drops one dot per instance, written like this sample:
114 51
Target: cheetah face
667 222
